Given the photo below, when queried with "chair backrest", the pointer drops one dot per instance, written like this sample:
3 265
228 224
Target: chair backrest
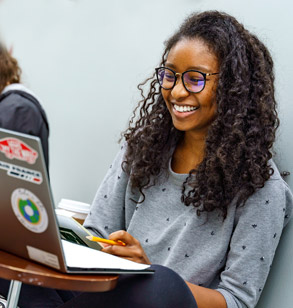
278 291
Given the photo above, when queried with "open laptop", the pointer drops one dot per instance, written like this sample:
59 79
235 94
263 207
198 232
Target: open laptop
28 224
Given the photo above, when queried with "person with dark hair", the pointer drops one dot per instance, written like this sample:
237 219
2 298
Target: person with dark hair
20 110
194 190
194 187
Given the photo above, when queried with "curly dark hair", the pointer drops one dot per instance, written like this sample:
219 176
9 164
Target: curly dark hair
239 141
10 71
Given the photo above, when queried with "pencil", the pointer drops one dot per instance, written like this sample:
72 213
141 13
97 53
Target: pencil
103 240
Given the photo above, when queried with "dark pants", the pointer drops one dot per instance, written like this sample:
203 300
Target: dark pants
164 289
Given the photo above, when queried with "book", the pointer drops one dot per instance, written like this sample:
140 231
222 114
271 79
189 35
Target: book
72 231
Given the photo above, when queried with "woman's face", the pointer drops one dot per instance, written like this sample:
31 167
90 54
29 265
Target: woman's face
185 55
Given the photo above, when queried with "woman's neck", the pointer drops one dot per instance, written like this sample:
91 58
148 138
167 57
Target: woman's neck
189 153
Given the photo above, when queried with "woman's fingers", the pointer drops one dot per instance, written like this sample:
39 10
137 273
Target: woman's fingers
123 236
131 251
123 251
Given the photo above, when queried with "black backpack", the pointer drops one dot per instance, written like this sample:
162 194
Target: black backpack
31 99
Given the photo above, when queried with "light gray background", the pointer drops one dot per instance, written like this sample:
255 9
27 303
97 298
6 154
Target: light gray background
70 49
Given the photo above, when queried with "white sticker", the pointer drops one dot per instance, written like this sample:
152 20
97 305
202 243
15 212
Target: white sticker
22 173
43 257
29 210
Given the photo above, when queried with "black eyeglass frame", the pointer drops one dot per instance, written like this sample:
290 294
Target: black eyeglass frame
182 74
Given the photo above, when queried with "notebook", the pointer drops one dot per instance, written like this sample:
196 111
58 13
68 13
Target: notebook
28 223
71 230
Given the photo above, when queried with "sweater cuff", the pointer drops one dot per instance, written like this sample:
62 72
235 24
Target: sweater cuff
231 301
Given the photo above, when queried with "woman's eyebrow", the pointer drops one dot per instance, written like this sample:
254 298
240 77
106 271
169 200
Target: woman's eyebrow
167 64
201 68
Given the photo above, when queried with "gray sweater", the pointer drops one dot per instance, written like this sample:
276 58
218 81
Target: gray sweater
233 256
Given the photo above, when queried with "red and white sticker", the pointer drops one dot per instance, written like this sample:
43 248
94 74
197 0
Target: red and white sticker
22 173
15 148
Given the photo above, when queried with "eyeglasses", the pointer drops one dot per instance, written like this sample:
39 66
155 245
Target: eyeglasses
193 81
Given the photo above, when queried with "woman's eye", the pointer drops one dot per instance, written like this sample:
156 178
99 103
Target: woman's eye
169 77
196 81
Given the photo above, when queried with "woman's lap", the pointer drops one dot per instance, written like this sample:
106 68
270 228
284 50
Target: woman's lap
163 289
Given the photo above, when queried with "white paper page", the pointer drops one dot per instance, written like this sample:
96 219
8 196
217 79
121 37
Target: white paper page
63 212
84 257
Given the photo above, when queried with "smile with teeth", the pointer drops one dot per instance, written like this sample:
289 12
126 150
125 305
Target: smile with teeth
184 108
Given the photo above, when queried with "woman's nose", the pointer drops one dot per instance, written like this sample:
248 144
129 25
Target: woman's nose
179 91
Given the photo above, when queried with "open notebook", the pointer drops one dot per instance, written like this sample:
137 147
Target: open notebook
28 223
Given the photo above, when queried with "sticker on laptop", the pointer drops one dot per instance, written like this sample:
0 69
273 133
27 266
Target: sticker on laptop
22 173
42 256
15 148
29 210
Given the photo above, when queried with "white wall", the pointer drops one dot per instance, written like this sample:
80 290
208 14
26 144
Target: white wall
69 49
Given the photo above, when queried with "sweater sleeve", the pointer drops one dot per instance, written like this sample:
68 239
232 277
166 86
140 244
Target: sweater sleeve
107 212
258 227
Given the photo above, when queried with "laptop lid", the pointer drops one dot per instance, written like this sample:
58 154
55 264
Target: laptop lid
26 212
28 223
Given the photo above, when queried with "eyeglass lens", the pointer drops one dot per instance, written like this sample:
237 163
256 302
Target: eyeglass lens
193 81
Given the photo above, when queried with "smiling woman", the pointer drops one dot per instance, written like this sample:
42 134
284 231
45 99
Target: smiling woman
184 56
194 189
195 175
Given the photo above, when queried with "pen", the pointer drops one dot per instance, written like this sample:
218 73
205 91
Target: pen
103 240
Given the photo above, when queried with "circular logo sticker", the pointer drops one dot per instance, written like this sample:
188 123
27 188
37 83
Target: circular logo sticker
29 210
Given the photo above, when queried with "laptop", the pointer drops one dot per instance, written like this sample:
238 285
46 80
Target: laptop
28 224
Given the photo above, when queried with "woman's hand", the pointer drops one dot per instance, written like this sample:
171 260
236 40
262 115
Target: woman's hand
131 251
